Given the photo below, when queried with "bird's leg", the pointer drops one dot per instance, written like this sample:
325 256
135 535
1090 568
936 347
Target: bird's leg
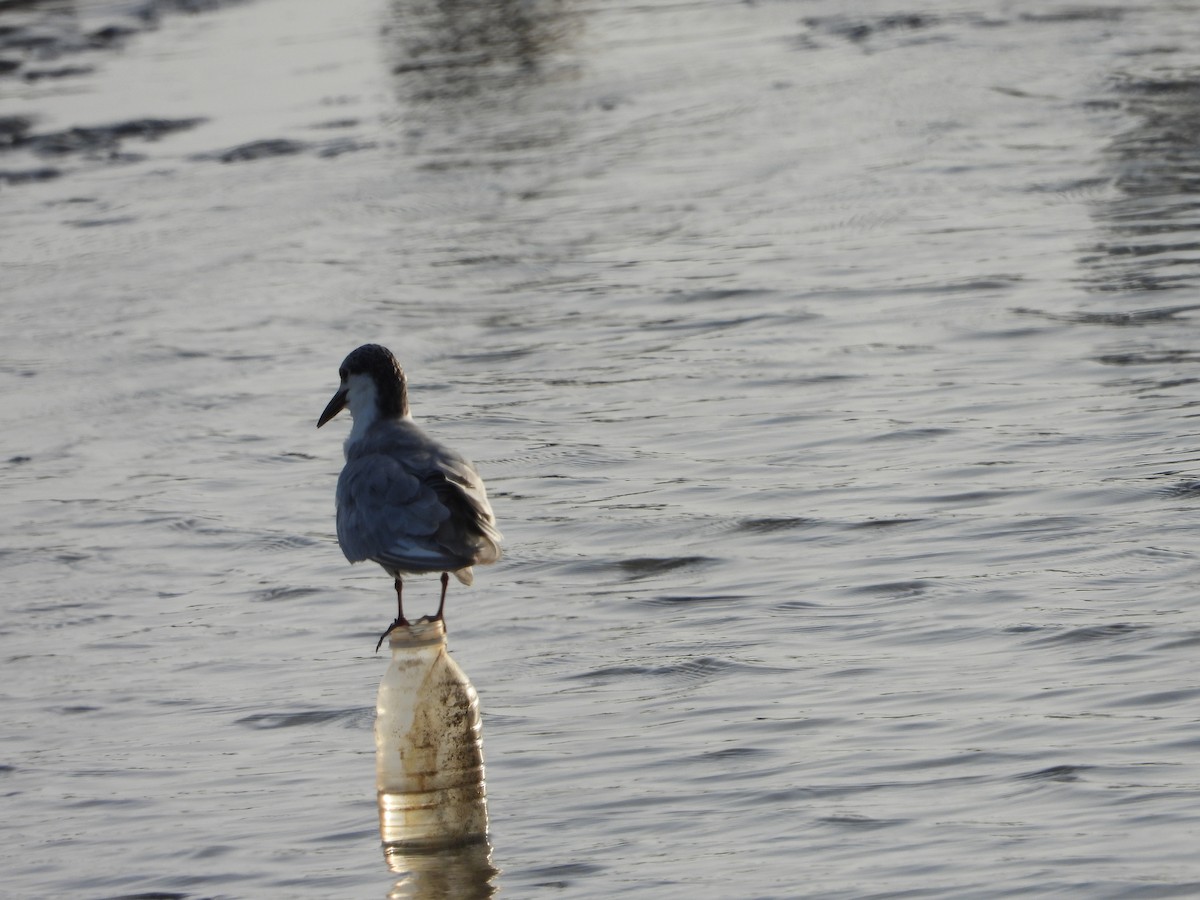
442 605
400 620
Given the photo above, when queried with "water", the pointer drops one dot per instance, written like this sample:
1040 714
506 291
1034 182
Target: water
832 368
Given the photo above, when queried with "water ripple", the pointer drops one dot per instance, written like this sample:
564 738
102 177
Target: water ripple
352 718
1115 631
1063 773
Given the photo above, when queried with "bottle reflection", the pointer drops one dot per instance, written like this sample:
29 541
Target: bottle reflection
429 770
461 873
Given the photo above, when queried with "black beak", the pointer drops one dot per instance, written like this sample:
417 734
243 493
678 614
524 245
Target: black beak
336 405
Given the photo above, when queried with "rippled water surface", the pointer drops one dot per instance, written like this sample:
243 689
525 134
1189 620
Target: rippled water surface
833 368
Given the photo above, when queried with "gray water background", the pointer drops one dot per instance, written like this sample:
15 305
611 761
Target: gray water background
833 368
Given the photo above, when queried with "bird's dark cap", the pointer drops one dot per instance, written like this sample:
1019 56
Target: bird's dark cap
374 360
378 362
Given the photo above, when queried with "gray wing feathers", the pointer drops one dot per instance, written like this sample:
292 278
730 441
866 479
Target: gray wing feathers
413 505
467 488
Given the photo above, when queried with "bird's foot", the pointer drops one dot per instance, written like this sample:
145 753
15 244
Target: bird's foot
401 622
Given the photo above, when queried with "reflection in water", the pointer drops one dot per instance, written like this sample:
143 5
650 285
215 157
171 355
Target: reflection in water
1151 228
451 49
462 872
482 87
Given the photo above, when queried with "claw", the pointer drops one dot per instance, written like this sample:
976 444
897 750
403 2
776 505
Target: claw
399 623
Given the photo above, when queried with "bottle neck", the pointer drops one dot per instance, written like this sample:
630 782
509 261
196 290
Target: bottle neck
416 635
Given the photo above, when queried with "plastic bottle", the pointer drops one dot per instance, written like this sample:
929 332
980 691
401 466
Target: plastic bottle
428 747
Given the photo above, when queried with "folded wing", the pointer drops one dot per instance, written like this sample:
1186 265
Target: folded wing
422 515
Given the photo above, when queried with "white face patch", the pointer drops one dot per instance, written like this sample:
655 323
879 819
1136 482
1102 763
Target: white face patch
362 399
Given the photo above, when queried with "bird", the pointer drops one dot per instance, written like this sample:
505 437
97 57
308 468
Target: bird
404 499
